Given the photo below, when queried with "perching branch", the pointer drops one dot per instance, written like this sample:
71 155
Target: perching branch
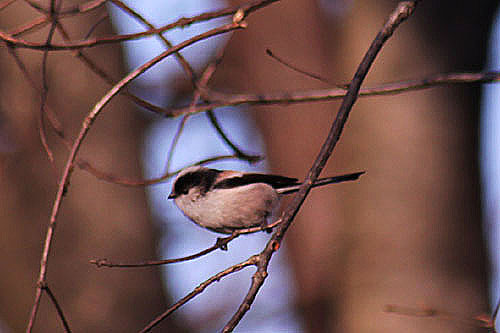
86 125
401 13
204 99
220 243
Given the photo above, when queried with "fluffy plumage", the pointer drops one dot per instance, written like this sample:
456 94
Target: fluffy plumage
224 201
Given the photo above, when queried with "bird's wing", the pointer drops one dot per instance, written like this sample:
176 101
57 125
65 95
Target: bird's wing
252 178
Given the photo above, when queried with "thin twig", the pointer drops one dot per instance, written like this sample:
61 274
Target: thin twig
45 84
96 24
125 181
201 89
173 144
435 313
246 8
29 27
36 6
86 125
241 154
219 100
402 12
80 54
252 261
59 309
199 86
220 243
53 120
183 62
41 282
71 10
301 71
495 312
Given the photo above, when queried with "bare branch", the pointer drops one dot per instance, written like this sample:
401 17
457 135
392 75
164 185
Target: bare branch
71 10
80 54
200 87
59 309
400 14
220 243
426 312
184 64
204 99
238 152
87 123
119 180
247 9
301 71
85 127
198 290
219 100
45 84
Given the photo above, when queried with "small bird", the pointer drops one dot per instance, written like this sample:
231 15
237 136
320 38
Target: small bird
224 200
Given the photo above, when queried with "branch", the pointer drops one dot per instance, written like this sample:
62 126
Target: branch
58 307
246 9
107 78
304 72
71 10
110 178
220 243
213 120
31 26
184 64
200 88
202 82
219 100
198 290
39 22
237 151
478 321
402 12
45 83
87 123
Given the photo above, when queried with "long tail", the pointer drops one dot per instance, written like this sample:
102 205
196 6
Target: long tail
323 181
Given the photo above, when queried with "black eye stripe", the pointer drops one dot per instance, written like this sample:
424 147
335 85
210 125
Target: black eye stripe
203 178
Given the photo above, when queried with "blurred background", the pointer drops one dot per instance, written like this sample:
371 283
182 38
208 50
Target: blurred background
410 233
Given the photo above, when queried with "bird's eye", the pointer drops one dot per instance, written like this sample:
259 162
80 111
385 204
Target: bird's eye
186 182
182 186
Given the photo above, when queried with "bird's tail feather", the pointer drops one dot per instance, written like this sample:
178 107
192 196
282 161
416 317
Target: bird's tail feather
324 181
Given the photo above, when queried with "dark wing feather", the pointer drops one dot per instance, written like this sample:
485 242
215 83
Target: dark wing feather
252 178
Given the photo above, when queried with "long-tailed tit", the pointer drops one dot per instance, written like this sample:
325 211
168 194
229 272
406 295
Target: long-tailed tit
224 201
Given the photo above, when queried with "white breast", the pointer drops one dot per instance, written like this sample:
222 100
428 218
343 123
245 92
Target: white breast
224 210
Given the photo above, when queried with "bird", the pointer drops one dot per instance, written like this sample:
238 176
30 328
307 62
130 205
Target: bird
225 201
